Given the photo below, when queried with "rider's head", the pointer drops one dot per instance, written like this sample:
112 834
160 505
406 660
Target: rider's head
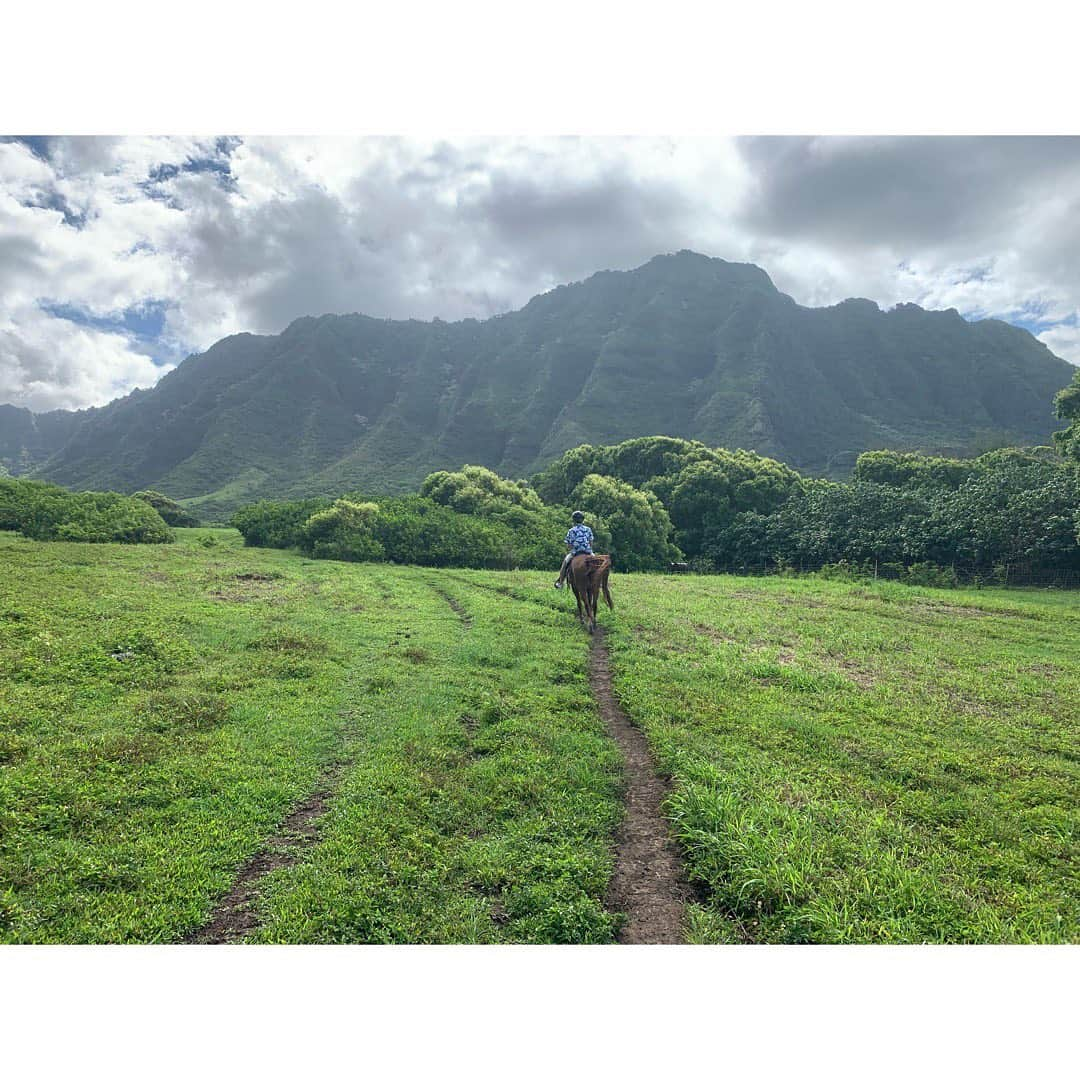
577 517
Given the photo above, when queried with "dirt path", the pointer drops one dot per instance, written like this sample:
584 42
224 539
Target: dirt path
649 884
455 606
235 915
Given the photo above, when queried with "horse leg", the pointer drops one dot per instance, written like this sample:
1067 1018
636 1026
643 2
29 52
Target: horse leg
607 595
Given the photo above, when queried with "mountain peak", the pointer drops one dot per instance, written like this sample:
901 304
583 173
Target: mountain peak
686 345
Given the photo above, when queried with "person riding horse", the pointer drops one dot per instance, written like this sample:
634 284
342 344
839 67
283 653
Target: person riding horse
578 542
587 571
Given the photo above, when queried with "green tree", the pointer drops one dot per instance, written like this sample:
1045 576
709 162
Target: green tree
1067 407
639 525
705 496
344 531
901 469
476 490
1019 507
557 482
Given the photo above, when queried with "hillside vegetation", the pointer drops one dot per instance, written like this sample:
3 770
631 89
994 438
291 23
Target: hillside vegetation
47 512
851 763
652 501
685 346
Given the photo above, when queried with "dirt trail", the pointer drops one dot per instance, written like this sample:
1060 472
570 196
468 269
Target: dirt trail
455 606
649 883
235 915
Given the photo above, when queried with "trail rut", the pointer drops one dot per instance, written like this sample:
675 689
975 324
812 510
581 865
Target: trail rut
649 884
235 915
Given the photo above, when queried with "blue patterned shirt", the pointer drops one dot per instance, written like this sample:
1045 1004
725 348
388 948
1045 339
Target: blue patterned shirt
580 540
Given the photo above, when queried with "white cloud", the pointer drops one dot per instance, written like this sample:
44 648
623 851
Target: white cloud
251 235
1064 341
49 363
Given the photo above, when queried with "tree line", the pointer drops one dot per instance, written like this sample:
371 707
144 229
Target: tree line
652 501
660 499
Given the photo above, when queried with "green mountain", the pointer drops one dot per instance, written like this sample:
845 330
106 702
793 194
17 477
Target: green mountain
28 439
684 345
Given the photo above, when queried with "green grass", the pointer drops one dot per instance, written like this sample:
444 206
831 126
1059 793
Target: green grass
162 709
863 763
850 763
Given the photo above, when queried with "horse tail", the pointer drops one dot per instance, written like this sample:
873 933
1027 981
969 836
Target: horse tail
607 594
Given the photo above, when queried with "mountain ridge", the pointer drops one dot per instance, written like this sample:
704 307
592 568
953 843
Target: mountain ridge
684 345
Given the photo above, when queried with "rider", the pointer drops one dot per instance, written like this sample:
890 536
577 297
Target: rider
579 540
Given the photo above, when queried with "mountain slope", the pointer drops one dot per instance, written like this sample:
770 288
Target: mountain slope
27 439
684 345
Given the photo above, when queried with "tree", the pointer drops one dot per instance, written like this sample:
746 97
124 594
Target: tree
640 527
476 490
1067 407
899 469
556 484
1019 507
705 496
345 531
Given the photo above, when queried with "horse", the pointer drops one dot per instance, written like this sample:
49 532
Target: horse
588 576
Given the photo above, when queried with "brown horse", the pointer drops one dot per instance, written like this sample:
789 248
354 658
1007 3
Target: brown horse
588 576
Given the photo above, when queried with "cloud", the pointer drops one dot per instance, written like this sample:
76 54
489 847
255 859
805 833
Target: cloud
219 235
1064 340
53 363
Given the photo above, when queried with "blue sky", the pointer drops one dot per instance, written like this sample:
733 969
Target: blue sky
119 256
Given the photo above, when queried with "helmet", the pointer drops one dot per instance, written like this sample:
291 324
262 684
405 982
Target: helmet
577 517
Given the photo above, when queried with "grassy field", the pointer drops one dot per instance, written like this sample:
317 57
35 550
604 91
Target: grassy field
849 762
162 708
861 763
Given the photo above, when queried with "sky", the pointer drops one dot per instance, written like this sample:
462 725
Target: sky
120 256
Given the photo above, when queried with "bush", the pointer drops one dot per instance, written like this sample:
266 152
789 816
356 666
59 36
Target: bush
476 490
276 524
17 497
46 512
925 573
343 531
172 513
416 530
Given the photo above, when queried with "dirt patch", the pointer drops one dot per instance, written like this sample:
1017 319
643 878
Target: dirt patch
648 884
862 677
235 916
1043 669
245 588
964 703
714 635
456 607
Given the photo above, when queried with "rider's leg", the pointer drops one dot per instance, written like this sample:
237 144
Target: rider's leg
562 570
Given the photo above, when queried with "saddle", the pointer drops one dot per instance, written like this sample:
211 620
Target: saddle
593 563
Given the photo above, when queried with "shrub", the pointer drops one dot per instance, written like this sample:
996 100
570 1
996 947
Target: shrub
416 530
276 524
172 513
46 512
343 531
